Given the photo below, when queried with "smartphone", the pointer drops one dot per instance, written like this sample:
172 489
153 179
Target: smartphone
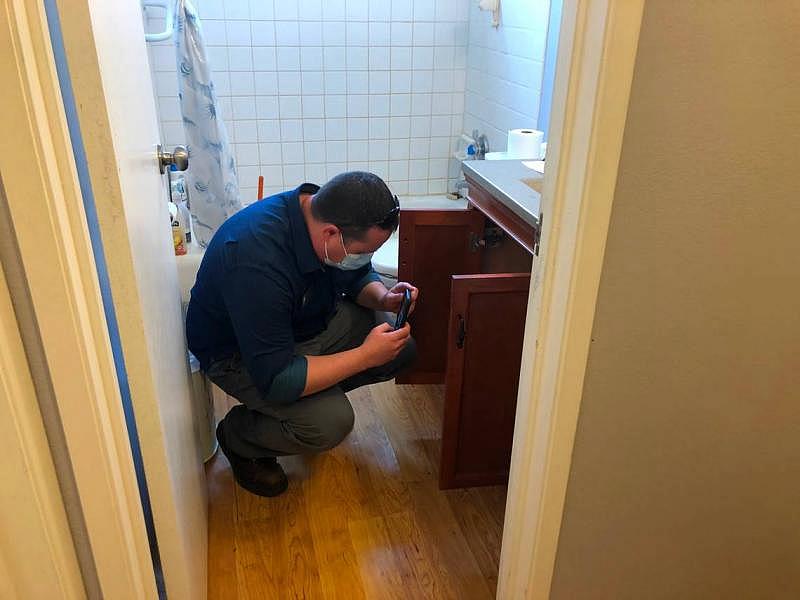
402 314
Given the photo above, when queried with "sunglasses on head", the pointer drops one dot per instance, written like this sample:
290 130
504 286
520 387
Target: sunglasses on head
391 215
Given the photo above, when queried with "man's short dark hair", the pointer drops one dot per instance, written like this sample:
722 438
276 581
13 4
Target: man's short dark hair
355 202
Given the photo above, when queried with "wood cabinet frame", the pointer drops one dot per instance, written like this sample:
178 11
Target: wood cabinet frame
442 252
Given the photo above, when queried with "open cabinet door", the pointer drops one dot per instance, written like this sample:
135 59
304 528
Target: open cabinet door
435 244
484 352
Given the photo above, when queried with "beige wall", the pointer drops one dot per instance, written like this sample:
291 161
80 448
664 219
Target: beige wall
685 480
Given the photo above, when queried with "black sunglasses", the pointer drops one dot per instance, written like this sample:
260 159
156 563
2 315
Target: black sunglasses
390 216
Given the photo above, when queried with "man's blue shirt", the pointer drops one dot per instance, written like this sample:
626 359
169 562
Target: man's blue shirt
260 289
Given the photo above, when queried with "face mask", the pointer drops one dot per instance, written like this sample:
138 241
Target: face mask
350 262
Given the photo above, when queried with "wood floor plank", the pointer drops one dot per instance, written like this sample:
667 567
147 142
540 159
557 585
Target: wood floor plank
405 536
385 566
337 479
480 529
222 580
392 403
494 497
365 520
375 457
340 574
275 556
425 406
456 569
335 493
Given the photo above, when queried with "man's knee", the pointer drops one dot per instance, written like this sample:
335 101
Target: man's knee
331 422
338 423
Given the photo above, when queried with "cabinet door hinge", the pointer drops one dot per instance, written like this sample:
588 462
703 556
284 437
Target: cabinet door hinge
492 237
538 236
475 242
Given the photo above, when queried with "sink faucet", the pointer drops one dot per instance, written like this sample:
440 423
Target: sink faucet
462 188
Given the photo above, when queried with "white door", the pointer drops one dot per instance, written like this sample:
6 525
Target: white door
108 64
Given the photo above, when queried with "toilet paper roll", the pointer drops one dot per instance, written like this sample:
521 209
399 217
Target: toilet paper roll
525 143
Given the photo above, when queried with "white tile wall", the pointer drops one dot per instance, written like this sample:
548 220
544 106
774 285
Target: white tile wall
504 69
310 88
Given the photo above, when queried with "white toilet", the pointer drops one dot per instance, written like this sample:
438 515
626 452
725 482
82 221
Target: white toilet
384 261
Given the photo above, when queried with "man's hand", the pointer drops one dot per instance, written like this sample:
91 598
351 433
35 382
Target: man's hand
383 344
394 297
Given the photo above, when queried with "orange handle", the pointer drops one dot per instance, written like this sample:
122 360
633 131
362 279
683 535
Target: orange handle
260 187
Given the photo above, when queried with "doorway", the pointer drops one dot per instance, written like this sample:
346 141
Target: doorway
512 551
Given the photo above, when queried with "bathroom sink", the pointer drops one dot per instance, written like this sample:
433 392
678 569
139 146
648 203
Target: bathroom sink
535 183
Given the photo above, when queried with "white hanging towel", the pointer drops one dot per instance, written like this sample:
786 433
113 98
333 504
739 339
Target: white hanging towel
494 7
213 185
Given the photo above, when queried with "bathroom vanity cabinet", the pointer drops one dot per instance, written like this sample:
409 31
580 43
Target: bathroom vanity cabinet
473 269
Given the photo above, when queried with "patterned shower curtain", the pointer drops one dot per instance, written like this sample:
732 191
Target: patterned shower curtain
212 181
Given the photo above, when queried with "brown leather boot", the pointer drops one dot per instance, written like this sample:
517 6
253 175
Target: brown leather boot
259 476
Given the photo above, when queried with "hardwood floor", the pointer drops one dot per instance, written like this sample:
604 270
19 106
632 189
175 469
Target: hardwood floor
365 520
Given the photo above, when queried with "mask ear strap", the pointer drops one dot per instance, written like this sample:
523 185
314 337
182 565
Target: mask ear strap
341 237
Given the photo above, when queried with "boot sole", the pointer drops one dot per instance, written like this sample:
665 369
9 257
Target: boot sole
264 491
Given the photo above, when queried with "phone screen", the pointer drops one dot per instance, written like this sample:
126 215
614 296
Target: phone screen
402 314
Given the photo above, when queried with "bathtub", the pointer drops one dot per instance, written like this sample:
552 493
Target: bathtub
384 261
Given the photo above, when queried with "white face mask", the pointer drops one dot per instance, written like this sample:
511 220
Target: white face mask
350 262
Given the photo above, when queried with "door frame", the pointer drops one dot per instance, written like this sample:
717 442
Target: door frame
597 53
46 564
46 213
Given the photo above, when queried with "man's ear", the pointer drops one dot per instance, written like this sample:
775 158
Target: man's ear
329 230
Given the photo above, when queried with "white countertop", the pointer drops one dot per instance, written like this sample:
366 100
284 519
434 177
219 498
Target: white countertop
503 179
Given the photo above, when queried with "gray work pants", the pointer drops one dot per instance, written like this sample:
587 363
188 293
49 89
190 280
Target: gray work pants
313 423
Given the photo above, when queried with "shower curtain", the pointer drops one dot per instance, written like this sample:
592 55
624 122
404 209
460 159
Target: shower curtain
211 178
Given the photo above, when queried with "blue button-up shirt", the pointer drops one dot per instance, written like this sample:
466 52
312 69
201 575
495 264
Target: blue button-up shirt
260 289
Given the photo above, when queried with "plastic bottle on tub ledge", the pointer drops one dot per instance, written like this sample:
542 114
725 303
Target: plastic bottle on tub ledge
178 237
179 194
